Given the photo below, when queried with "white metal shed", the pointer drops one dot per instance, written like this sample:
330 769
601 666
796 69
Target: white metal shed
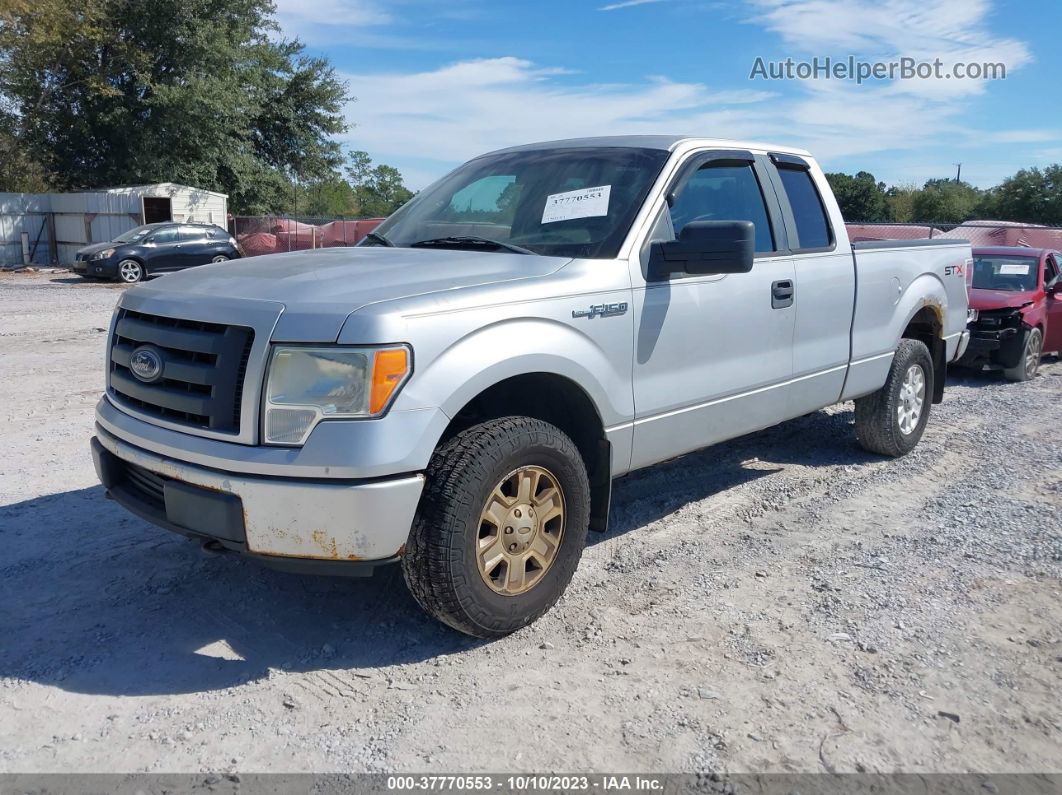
48 228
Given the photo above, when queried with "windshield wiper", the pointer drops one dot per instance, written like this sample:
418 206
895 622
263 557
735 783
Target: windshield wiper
378 238
469 240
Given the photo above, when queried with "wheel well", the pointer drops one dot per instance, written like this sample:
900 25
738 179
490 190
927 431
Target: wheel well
926 326
561 402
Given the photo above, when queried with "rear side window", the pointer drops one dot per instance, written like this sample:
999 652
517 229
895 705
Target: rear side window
723 193
813 227
192 233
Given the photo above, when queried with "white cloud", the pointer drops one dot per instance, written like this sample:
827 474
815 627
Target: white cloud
955 31
627 4
321 20
466 108
424 121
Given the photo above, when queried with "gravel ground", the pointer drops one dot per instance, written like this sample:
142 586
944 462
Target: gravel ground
783 602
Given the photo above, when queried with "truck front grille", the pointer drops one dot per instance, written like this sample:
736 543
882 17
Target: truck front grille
203 368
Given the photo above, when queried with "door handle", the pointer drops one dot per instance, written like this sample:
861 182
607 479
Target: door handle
782 293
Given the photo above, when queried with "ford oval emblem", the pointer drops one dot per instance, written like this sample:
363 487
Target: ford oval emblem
146 364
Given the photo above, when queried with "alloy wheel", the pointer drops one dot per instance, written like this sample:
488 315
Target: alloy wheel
520 530
912 398
130 271
1033 352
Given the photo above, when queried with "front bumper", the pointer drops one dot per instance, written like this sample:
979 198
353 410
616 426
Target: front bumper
280 519
102 268
1001 348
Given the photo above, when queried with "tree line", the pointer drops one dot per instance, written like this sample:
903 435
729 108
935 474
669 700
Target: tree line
201 92
1032 195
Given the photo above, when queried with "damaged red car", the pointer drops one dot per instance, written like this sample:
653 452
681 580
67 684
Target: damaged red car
1016 310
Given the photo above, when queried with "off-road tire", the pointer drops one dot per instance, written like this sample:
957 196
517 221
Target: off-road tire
440 564
1029 363
876 415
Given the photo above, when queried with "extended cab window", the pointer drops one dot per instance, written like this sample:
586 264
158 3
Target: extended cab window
812 225
717 192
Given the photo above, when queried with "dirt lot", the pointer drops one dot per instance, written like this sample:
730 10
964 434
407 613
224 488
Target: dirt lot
784 602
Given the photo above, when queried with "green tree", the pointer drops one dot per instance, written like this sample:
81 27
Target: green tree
946 201
20 172
194 91
328 198
899 203
380 189
1032 195
861 197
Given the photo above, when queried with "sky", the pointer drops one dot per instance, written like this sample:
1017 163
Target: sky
435 82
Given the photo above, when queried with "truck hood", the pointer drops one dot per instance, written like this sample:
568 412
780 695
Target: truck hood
322 287
999 299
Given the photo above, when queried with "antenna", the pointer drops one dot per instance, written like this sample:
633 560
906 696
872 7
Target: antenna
958 171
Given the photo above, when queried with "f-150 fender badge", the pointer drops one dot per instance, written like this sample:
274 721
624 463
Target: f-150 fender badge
601 310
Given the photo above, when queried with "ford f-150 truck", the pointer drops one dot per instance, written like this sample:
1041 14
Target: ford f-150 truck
459 391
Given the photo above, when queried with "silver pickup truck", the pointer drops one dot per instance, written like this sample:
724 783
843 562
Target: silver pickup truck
458 392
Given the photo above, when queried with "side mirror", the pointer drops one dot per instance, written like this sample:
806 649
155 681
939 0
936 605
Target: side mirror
705 248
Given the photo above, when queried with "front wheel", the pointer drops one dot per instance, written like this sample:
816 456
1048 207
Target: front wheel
500 528
130 271
891 420
1031 352
219 258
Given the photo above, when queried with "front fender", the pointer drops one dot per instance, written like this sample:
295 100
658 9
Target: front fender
488 355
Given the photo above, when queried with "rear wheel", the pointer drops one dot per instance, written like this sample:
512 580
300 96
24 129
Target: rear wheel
130 271
1032 351
219 258
500 527
891 420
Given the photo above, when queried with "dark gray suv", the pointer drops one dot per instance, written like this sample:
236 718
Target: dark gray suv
155 248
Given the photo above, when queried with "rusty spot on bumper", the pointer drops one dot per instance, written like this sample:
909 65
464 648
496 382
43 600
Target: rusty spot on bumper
326 542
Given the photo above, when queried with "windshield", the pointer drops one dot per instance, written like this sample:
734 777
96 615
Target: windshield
1014 273
132 235
556 202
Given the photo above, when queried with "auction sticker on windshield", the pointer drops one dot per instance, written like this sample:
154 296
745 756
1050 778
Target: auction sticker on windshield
582 203
1014 269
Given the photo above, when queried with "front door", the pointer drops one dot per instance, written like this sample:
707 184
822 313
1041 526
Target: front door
1053 331
163 250
713 354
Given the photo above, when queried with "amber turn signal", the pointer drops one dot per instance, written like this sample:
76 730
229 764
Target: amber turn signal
389 368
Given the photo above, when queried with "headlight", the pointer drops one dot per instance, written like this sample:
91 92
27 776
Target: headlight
306 385
103 254
972 315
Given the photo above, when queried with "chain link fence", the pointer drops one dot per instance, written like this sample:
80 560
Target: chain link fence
273 234
979 233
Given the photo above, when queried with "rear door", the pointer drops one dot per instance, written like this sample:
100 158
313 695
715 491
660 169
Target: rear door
824 284
195 245
713 354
